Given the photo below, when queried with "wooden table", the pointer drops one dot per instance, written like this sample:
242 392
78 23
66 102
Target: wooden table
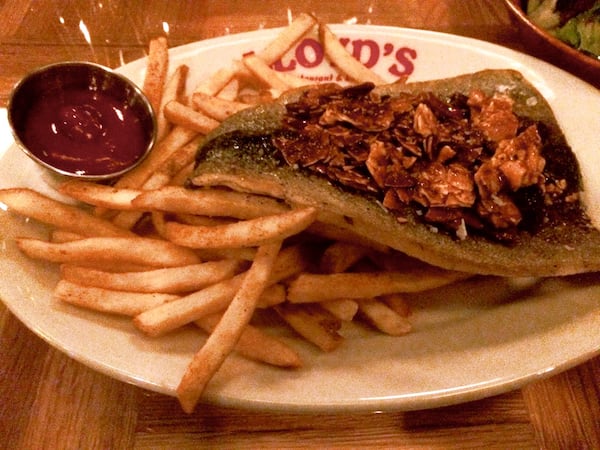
47 400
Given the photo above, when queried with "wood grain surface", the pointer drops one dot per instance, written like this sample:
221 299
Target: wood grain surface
49 401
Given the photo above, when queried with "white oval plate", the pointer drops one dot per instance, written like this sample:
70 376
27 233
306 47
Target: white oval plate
473 340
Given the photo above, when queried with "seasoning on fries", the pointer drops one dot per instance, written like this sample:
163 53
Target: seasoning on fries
169 256
229 329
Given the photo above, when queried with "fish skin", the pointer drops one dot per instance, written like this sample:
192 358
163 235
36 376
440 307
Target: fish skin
241 147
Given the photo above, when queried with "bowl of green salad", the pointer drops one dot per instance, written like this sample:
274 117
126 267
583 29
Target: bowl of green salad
564 32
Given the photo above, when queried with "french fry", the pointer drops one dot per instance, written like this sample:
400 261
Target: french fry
160 154
99 194
344 309
215 254
156 71
274 50
173 91
313 323
108 301
339 256
34 205
127 219
183 115
309 287
210 300
290 261
212 85
164 175
255 96
330 225
215 107
193 219
59 235
170 280
257 345
231 90
239 183
274 294
343 60
286 39
279 81
114 266
183 175
263 72
333 231
208 202
138 250
226 334
179 160
165 318
383 317
246 233
398 303
293 81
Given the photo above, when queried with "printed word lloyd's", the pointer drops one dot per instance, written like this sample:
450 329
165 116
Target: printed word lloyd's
309 54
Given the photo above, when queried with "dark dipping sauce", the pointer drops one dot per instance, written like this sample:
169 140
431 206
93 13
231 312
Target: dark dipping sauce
84 131
82 119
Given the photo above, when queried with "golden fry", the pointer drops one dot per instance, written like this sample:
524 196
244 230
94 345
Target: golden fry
183 115
263 72
212 85
179 160
313 323
208 202
344 309
108 301
290 261
210 300
247 233
170 280
164 175
309 287
343 60
209 221
398 303
274 294
257 345
183 175
226 334
339 256
99 194
59 235
156 71
215 107
34 205
137 250
162 151
240 184
174 90
287 38
231 90
383 317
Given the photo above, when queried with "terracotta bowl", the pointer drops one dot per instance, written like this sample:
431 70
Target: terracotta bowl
538 42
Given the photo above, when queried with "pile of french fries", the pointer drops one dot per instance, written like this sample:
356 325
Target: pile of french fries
169 256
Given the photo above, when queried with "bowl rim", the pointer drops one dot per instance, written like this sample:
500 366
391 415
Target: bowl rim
139 93
516 7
